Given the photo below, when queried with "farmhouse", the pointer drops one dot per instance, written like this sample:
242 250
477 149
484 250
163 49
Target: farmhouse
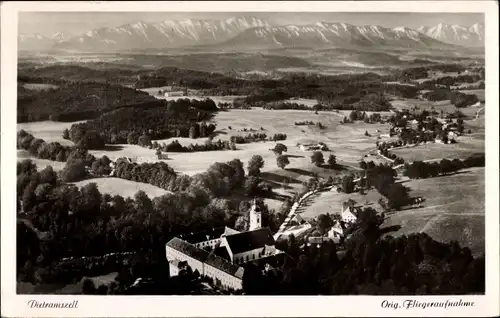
336 231
313 147
174 94
219 253
349 214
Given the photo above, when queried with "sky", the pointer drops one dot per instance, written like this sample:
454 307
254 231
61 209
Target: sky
75 23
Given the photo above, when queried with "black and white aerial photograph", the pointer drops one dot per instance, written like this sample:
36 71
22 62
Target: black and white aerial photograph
250 153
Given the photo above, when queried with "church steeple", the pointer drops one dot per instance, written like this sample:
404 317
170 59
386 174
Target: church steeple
255 217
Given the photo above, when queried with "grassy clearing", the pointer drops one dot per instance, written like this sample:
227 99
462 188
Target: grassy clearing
125 188
331 202
466 145
50 131
40 163
453 210
39 86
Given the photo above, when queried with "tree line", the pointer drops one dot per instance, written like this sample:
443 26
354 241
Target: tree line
126 125
256 137
422 170
39 148
209 145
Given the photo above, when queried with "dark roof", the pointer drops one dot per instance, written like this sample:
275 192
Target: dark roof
203 235
250 240
188 249
221 251
275 260
222 264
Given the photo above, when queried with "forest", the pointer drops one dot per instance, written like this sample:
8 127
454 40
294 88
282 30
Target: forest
371 263
57 221
90 98
72 101
179 118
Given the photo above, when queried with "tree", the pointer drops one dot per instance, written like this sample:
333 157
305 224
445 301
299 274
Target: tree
91 140
144 141
280 148
158 153
324 223
363 165
133 138
332 161
317 158
65 134
48 175
282 161
74 171
348 184
254 165
397 195
446 166
353 116
251 185
88 287
42 190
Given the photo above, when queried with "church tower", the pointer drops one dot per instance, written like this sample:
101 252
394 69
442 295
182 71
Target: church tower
255 217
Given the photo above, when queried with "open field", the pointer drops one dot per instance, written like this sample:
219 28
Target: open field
50 131
125 188
39 86
454 209
466 146
40 163
331 202
347 142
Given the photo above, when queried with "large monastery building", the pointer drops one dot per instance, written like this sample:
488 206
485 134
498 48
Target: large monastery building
220 253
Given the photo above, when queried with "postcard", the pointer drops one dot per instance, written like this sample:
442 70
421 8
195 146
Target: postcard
230 159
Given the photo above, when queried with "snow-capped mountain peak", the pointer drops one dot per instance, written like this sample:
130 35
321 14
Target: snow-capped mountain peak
456 34
168 33
328 34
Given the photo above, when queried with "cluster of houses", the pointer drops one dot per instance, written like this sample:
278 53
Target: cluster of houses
349 215
447 125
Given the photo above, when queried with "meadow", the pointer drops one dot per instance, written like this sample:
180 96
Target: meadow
125 188
331 202
40 163
453 209
466 145
50 131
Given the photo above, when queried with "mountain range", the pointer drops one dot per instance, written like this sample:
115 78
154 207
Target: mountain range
252 33
457 34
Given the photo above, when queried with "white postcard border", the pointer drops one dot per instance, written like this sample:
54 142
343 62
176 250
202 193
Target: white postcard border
233 306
